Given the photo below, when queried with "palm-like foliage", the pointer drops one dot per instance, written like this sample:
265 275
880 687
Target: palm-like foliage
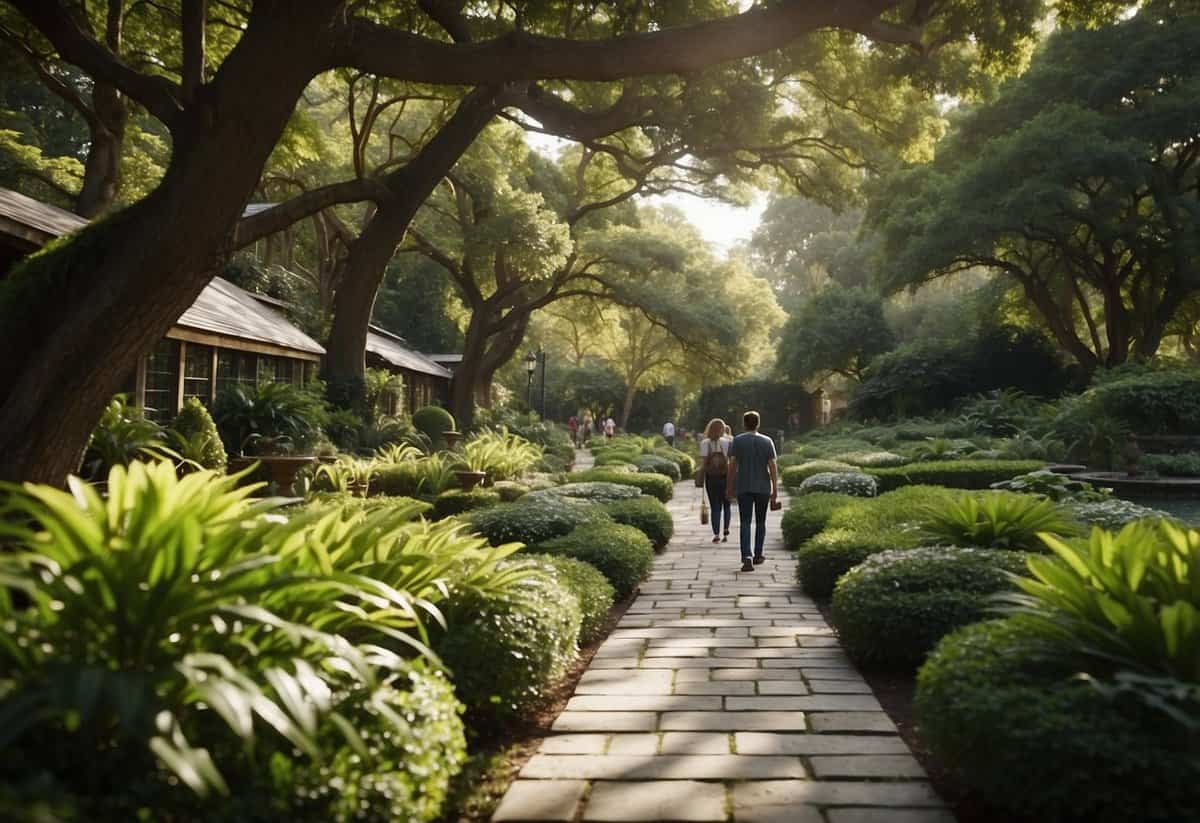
141 617
267 418
502 455
120 437
995 520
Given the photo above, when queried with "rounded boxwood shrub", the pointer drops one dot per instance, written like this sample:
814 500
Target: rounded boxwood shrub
551 464
195 426
415 735
658 485
807 516
873 459
595 491
504 650
646 514
614 455
432 421
656 464
457 501
1031 737
892 608
622 553
793 476
532 519
684 461
833 552
595 594
854 484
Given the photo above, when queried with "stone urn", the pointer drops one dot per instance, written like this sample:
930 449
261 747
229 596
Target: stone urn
469 479
451 439
281 468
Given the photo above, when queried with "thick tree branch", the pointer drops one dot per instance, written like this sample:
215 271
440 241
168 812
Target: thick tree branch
62 29
194 13
279 217
448 14
524 57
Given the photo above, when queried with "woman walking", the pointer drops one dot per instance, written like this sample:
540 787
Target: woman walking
714 452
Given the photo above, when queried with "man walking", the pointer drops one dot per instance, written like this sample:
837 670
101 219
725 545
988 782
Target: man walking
754 479
669 433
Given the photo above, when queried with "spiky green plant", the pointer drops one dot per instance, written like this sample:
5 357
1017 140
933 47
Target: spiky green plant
994 520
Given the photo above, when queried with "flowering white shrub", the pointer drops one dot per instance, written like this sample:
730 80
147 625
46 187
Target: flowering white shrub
852 483
1114 514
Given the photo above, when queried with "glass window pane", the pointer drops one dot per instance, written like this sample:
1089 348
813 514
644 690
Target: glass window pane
162 380
197 372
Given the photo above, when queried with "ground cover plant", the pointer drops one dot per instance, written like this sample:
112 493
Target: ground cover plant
793 476
957 474
533 519
851 483
994 520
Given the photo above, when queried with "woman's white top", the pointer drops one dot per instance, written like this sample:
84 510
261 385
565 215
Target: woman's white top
706 447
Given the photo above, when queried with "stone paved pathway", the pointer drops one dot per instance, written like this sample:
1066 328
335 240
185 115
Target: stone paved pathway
722 696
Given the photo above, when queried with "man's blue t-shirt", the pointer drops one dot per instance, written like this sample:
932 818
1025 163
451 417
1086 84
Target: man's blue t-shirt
752 451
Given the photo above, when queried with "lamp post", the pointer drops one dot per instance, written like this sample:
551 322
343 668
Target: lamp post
542 356
531 361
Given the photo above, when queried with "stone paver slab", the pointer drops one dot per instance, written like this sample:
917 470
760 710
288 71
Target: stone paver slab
605 722
852 722
661 767
643 703
813 703
818 744
577 744
556 800
656 800
733 721
867 765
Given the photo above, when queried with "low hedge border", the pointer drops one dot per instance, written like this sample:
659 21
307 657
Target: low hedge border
647 514
807 516
954 474
658 485
622 553
595 594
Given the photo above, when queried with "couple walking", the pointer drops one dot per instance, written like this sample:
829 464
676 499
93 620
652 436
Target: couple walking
741 467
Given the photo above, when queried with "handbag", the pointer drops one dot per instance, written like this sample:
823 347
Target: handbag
703 512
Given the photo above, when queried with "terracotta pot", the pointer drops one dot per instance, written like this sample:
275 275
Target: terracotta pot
469 480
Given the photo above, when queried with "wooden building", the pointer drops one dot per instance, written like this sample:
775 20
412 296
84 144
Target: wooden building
425 382
228 335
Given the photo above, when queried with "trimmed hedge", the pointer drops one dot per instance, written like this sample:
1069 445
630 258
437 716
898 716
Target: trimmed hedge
510 490
833 552
622 553
954 474
807 516
432 421
646 514
595 594
793 476
658 485
1038 741
892 608
656 464
687 466
533 519
457 501
504 650
873 459
594 491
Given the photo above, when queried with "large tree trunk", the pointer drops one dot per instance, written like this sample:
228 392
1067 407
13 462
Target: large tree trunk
102 168
627 405
75 319
370 254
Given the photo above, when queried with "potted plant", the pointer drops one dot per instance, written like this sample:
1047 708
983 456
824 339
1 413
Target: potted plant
451 438
275 424
472 468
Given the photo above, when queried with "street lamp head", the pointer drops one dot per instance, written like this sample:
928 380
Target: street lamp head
530 362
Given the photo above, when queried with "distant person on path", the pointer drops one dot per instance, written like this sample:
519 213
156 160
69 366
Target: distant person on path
669 433
573 428
610 428
714 452
754 478
587 427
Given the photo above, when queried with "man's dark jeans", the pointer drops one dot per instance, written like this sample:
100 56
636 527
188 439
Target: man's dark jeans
755 504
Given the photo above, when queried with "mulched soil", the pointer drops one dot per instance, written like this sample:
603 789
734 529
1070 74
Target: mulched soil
482 788
895 693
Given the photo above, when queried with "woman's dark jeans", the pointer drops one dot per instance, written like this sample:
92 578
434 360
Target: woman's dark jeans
715 486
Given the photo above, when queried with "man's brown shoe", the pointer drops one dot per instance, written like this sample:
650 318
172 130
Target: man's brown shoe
747 566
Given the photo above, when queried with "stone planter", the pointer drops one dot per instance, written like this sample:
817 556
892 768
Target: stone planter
469 480
282 469
451 439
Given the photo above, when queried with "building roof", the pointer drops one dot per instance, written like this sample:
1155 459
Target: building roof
221 309
393 349
225 309
34 221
